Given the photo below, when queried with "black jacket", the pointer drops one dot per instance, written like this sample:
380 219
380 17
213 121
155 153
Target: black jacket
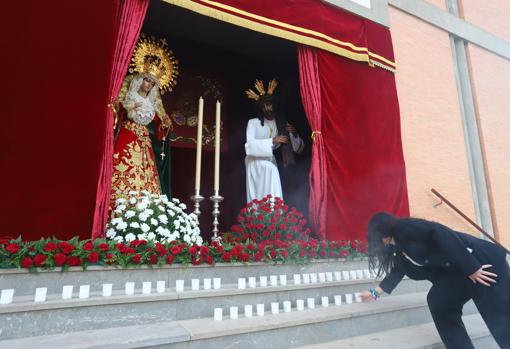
438 249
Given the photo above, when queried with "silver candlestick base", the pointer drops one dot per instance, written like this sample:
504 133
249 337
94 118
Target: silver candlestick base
216 199
197 198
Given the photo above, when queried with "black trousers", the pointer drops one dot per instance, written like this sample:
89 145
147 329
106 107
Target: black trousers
449 293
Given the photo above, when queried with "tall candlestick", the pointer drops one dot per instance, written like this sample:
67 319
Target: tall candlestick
217 149
199 144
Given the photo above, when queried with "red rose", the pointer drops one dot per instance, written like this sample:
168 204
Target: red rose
204 250
39 260
332 254
272 227
89 246
273 254
50 247
74 261
284 253
353 244
254 236
257 257
283 226
136 258
245 236
226 257
193 250
103 247
121 247
93 257
344 253
160 249
60 259
250 247
302 253
236 250
26 262
195 260
169 259
153 259
209 260
129 250
324 244
322 253
266 234
175 250
289 236
12 248
244 257
109 256
68 248
312 254
277 236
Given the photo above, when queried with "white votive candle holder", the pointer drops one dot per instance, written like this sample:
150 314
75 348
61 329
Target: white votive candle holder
338 300
325 302
67 292
263 281
345 275
366 274
306 278
329 276
84 291
216 283
260 309
146 287
300 304
310 303
107 290
348 298
129 288
218 314
357 297
248 310
207 283
297 279
359 274
7 296
234 313
275 308
322 277
195 284
353 275
283 280
179 285
313 278
241 283
287 306
40 294
252 282
160 286
338 276
273 279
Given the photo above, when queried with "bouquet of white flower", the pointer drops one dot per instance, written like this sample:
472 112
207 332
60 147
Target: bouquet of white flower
146 216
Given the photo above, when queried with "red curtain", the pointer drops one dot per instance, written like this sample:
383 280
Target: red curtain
129 24
310 88
56 57
363 148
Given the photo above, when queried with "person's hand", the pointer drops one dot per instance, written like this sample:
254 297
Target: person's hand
366 296
290 128
483 277
280 140
167 122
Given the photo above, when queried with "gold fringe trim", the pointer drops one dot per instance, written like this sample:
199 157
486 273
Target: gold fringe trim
363 56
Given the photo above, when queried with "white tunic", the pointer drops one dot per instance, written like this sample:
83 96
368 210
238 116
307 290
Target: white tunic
262 176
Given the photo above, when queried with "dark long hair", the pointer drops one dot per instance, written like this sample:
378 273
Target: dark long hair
380 257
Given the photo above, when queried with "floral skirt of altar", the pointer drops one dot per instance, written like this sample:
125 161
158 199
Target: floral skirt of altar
134 168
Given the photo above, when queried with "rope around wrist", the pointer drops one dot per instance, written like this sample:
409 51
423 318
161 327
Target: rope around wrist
374 293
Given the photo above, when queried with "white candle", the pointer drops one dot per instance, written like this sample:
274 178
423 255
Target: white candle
287 306
366 273
130 288
359 274
338 276
283 280
322 277
260 309
338 300
345 275
179 285
274 280
195 284
348 298
297 279
218 314
146 287
263 281
310 302
216 283
275 308
252 282
160 286
352 274
234 313
198 164
107 290
357 297
40 294
241 283
248 310
207 284
217 149
329 276
306 278
313 278
6 296
67 292
84 291
300 305
325 302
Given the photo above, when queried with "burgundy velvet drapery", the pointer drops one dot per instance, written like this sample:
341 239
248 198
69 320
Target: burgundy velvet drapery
55 56
363 147
310 88
129 24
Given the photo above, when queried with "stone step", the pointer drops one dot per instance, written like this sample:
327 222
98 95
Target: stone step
24 317
423 336
25 282
285 330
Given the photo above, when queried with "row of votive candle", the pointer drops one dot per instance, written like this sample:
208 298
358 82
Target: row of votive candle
287 306
303 278
207 284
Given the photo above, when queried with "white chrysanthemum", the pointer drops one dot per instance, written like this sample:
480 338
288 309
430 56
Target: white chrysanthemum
161 208
163 218
135 225
183 206
171 213
129 214
142 217
142 236
116 221
120 201
164 198
177 224
151 236
175 200
142 205
187 239
159 229
133 193
118 238
110 233
145 227
149 211
122 226
132 201
154 222
130 237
